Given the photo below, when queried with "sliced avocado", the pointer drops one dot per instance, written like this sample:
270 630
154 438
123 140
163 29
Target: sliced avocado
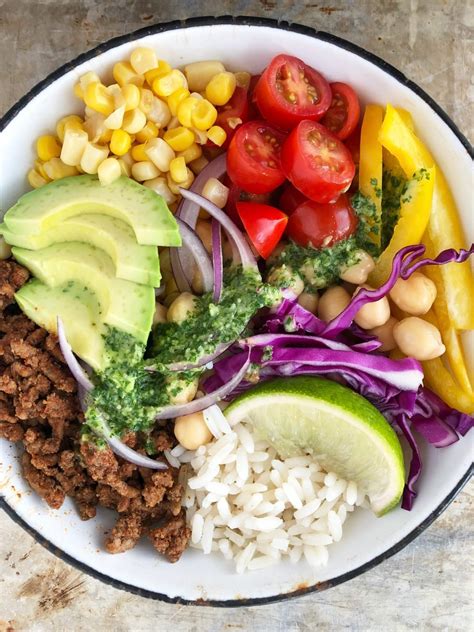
79 310
125 305
140 207
133 261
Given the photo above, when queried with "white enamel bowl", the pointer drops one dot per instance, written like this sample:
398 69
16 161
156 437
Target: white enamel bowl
242 44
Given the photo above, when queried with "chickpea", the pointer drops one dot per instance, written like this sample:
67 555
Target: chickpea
191 431
385 334
197 283
181 308
5 249
279 248
372 314
415 295
309 301
334 301
181 391
160 314
284 277
359 272
227 253
418 339
204 231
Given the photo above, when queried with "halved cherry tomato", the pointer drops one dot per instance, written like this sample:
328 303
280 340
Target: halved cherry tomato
344 112
236 194
233 113
253 159
253 107
264 225
322 225
317 162
289 91
290 198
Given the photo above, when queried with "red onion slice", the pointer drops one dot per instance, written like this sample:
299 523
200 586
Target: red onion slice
246 255
183 281
171 412
76 369
217 260
195 245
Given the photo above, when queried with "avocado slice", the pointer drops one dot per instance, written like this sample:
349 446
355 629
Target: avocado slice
125 305
140 207
133 262
79 310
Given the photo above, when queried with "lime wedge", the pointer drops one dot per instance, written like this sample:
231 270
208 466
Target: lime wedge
340 428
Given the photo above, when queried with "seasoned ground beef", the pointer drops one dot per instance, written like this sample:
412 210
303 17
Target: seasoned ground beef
40 408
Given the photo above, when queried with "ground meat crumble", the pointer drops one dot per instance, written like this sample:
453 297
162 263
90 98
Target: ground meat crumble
40 408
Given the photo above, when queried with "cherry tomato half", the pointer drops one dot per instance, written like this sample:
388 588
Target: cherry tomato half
289 91
343 115
322 225
253 159
290 198
236 194
317 162
231 115
264 224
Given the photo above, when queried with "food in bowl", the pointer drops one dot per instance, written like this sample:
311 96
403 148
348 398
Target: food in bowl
283 301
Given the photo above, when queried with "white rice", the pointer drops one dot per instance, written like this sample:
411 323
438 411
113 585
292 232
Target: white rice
255 508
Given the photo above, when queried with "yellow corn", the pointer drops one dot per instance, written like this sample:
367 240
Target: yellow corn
106 136
160 186
95 128
143 59
92 157
115 120
179 138
221 87
35 180
203 115
200 73
160 153
159 113
131 95
216 192
125 169
175 99
147 133
116 93
191 153
201 136
217 135
185 109
134 121
72 121
145 170
75 141
166 85
198 164
120 142
87 78
56 169
47 147
146 100
243 79
173 123
162 69
97 98
78 91
138 153
123 73
108 171
178 170
185 184
39 167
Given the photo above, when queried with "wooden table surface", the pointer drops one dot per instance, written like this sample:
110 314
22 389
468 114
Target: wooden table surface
427 586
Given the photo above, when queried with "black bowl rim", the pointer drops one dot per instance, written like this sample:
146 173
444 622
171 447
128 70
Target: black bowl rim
388 68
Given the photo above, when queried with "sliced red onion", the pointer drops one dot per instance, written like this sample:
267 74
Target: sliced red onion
246 254
217 261
76 369
183 281
171 412
202 259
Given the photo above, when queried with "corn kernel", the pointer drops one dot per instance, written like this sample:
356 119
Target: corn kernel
215 192
92 157
145 170
56 169
243 79
200 73
191 153
143 59
166 85
47 147
125 169
68 121
204 115
174 186
160 113
217 135
198 164
175 99
178 170
131 95
87 78
173 123
123 73
108 171
220 88
120 142
138 153
78 91
201 136
75 141
115 120
147 133
134 121
116 93
39 167
97 98
185 109
160 186
161 70
179 138
160 153
35 180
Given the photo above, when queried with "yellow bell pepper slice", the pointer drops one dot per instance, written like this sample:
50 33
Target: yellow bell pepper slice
440 380
370 163
415 211
444 228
